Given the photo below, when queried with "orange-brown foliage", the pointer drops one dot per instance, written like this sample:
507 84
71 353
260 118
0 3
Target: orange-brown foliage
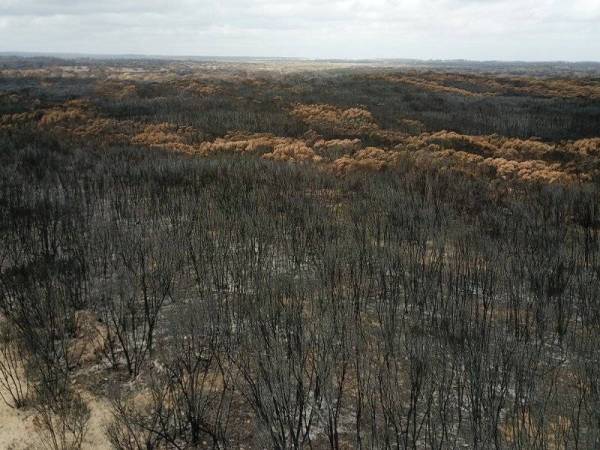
115 90
239 142
325 147
451 140
77 119
486 85
293 151
272 147
9 121
200 88
420 82
331 119
587 147
74 112
370 158
484 156
166 136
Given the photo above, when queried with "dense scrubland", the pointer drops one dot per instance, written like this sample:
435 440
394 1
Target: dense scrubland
291 254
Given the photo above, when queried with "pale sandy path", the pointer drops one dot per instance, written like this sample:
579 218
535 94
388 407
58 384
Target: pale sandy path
16 428
17 431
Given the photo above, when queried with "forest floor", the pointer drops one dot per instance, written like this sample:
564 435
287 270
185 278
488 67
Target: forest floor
18 430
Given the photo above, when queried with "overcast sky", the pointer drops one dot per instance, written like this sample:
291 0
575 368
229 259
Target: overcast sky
425 29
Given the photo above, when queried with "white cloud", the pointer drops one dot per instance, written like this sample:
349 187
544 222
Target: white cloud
474 29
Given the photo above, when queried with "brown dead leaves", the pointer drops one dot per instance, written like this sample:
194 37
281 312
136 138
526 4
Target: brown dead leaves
470 85
166 136
370 158
270 146
494 156
333 120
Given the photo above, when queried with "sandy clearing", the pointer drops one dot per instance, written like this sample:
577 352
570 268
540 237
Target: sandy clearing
18 433
16 428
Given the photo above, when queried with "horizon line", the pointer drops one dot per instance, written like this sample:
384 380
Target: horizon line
92 55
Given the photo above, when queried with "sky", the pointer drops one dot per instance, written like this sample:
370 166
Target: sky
524 30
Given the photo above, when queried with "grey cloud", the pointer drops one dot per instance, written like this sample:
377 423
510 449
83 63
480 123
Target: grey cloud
476 29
